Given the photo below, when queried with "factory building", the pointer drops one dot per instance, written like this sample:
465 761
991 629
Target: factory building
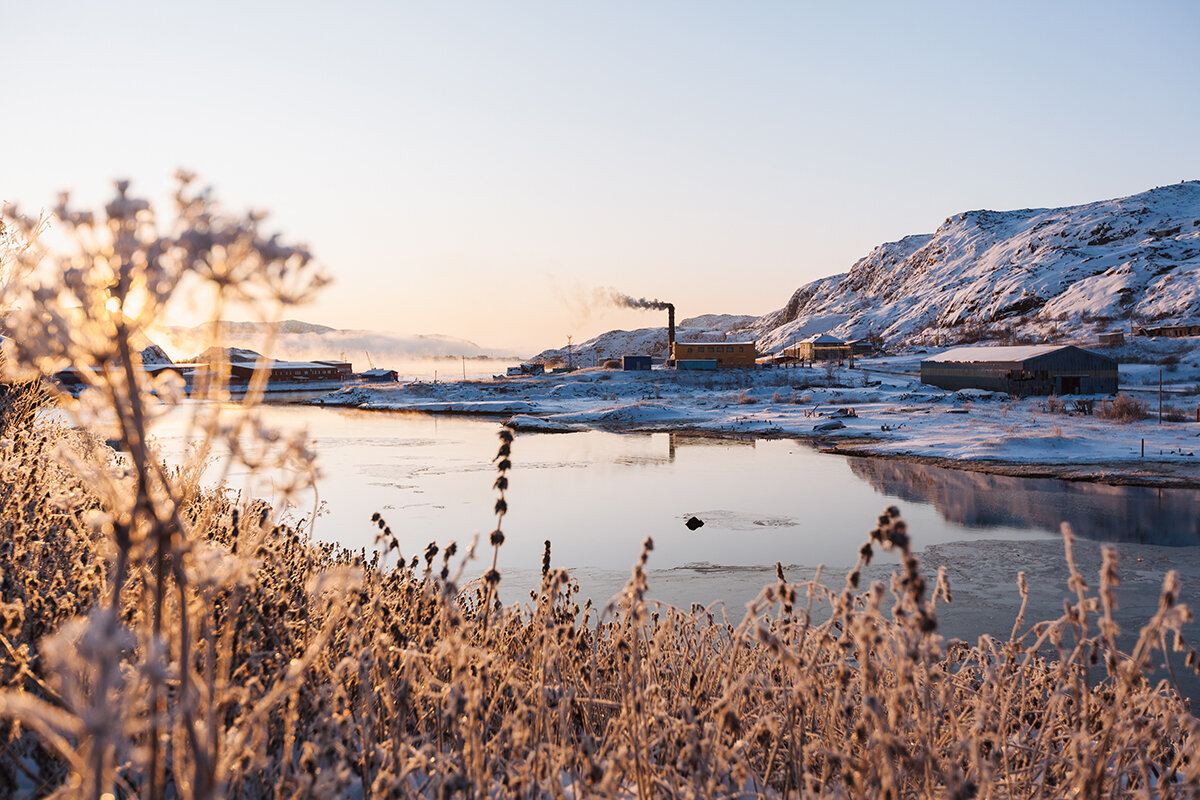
1024 370
724 354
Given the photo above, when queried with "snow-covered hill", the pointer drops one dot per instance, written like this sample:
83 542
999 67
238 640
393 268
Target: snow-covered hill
649 341
1027 274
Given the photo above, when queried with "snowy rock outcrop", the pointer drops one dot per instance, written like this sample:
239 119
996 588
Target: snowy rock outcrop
153 355
1014 273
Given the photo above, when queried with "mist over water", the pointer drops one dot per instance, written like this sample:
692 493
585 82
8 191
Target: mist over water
417 356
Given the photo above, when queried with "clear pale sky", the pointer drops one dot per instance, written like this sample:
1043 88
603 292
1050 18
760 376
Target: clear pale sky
478 168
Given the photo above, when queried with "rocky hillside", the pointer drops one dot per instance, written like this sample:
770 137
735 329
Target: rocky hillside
1024 274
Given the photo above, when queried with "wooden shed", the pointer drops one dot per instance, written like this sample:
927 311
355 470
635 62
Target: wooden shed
635 363
1024 370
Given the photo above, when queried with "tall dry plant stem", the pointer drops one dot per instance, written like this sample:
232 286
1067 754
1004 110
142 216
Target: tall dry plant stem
503 464
86 311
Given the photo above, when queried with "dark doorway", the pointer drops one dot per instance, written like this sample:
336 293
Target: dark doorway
1069 384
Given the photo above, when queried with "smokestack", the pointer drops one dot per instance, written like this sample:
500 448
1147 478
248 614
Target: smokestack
670 335
625 301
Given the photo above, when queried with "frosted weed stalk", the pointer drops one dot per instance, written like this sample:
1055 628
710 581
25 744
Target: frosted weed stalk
138 692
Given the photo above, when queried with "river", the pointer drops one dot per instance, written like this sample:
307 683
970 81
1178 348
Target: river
596 496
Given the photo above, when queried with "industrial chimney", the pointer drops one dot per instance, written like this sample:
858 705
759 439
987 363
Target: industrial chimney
670 335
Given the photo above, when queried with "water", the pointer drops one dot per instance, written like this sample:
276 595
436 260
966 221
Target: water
448 369
596 496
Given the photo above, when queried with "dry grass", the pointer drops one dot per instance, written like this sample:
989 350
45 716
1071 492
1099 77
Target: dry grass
161 640
314 671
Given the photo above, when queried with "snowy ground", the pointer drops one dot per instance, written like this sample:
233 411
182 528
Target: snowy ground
879 407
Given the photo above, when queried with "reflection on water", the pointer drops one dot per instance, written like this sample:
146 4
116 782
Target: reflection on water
1095 511
597 495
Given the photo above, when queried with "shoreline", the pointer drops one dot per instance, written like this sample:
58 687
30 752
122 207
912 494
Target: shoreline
1153 474
872 412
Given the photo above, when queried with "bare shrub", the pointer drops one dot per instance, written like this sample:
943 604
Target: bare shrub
744 398
1175 414
1123 408
612 363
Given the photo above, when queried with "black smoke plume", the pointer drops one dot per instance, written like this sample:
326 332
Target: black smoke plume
626 301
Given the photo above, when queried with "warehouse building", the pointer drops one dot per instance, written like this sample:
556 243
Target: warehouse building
291 371
724 354
1025 370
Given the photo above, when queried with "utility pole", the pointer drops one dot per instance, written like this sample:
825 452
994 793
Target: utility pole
570 355
1160 397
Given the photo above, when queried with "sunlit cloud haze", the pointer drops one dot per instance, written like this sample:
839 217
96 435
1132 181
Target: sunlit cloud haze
478 169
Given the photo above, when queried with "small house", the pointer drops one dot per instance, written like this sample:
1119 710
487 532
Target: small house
1111 339
1023 370
820 347
862 347
377 375
527 369
635 363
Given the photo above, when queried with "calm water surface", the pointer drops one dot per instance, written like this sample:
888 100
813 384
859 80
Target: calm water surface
596 496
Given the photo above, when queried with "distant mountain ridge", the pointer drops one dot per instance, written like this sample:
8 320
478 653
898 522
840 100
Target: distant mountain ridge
1012 273
305 341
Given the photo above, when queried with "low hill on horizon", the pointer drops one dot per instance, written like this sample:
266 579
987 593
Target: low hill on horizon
296 340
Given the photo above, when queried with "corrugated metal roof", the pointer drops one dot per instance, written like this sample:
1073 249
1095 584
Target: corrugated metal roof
967 355
823 338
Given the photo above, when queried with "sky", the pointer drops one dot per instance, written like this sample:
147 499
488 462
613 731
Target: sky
480 169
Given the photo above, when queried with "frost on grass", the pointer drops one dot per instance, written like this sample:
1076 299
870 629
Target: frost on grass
160 639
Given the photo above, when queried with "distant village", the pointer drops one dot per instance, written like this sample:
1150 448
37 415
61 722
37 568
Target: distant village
1020 370
243 367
